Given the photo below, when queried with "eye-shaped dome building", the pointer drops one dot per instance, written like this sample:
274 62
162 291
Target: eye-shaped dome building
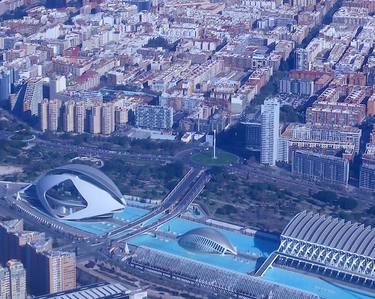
76 192
206 240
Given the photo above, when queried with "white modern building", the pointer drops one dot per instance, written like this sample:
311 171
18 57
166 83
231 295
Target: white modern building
206 240
342 250
270 123
76 192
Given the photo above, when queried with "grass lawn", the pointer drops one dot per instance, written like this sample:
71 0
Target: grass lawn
222 158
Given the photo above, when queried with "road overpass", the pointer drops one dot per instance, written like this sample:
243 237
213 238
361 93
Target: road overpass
172 198
174 210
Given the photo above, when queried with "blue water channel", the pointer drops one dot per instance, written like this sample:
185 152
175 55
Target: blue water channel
130 214
103 227
257 247
253 246
323 288
96 228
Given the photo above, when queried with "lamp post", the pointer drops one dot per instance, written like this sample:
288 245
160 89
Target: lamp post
214 145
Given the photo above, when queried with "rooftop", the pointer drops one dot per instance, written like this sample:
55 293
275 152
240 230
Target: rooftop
332 232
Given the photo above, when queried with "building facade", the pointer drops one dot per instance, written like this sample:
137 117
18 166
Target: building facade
5 86
4 283
107 119
48 271
270 123
154 117
43 115
336 114
94 119
60 268
17 280
68 117
318 167
302 61
13 281
367 175
253 135
54 107
79 118
33 96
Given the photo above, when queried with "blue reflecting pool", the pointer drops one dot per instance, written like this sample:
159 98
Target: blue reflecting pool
172 247
96 228
131 213
103 227
246 244
323 288
250 245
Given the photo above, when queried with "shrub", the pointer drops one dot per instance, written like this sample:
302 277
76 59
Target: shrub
226 210
347 203
326 196
371 211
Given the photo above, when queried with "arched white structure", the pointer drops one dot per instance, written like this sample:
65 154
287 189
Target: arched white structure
76 192
332 246
206 240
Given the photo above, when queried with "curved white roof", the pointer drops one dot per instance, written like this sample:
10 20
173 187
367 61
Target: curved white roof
100 195
332 232
206 240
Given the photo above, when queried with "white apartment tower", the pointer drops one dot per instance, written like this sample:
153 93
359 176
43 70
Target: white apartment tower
54 107
94 117
79 117
270 124
43 115
107 119
68 116
4 283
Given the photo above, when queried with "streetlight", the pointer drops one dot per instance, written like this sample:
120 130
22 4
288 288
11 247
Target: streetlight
214 157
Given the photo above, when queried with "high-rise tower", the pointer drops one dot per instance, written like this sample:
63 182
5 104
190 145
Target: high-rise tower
270 123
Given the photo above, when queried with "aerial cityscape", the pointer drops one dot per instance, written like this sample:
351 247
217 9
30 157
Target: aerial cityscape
187 149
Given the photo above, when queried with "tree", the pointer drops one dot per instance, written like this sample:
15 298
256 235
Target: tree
173 170
288 114
347 203
371 210
326 196
226 210
160 42
218 174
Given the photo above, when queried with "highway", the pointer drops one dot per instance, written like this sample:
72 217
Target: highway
175 210
87 150
176 202
171 199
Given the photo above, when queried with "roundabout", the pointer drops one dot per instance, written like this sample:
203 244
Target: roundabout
222 158
22 136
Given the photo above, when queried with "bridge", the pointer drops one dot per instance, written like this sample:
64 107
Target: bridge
175 209
172 201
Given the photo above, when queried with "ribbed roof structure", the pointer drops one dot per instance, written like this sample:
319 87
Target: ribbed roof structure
206 240
332 232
